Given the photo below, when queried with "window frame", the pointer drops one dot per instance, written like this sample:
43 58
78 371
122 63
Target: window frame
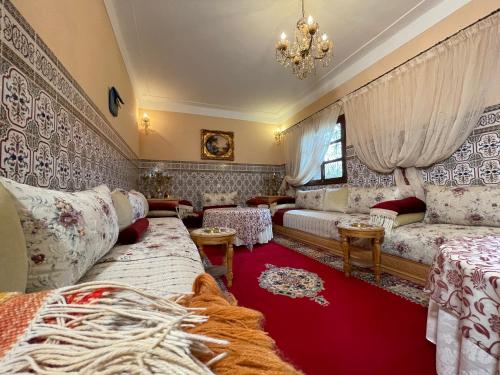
337 180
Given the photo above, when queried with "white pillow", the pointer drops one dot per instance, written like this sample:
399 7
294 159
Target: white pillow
310 199
336 199
66 233
123 209
219 199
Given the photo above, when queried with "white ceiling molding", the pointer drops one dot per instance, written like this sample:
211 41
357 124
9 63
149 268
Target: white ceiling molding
163 104
408 24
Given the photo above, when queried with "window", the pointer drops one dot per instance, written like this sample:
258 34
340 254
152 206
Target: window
333 169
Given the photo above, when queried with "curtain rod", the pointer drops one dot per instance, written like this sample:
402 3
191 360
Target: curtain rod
392 69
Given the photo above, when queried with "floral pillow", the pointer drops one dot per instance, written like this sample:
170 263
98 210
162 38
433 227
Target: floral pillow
360 199
66 233
219 199
310 199
139 204
472 205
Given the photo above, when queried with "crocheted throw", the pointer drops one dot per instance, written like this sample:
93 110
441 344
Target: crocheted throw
101 327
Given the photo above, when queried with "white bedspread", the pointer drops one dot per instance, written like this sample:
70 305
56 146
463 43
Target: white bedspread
165 261
321 223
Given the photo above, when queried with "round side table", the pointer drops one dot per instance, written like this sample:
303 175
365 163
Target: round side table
220 236
360 230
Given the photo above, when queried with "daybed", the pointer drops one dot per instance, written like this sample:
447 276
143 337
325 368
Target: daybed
84 287
409 249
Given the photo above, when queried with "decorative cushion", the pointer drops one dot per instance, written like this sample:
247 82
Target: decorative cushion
134 232
336 199
161 205
310 199
473 205
13 258
219 199
139 204
406 219
408 205
162 213
66 233
123 209
360 200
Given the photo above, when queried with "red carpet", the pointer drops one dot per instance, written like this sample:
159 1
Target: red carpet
363 330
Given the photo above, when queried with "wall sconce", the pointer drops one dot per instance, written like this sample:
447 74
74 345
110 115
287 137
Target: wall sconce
278 136
145 123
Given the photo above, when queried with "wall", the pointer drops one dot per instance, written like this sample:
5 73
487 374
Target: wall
52 134
458 20
176 136
80 34
190 180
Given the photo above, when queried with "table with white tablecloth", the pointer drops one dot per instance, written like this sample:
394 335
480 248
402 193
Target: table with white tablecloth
252 225
464 309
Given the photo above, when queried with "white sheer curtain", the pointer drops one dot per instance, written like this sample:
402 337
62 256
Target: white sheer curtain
305 146
422 112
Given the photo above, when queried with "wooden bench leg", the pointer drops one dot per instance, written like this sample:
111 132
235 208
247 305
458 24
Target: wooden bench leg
376 259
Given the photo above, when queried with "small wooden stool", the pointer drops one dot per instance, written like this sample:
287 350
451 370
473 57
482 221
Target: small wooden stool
360 230
217 236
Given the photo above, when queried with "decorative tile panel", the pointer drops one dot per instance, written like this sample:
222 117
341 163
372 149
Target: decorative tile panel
51 134
190 179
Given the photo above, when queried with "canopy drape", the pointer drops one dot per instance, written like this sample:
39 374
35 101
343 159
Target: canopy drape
423 111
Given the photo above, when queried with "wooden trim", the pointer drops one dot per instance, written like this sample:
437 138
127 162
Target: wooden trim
404 268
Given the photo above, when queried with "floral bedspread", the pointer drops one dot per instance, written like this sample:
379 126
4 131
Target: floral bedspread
248 222
165 261
420 242
465 281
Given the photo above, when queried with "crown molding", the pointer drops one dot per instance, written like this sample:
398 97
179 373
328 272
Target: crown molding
166 104
113 18
340 74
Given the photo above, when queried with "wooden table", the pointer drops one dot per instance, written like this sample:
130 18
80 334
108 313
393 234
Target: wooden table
224 236
359 230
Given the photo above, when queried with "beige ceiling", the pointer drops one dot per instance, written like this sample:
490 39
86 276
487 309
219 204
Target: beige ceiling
216 57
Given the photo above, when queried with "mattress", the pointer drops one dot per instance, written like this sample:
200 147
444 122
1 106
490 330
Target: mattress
166 261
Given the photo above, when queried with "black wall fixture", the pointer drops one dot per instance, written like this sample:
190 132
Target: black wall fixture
115 101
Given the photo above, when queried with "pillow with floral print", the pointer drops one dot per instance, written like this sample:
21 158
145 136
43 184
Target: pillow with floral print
219 199
361 199
463 205
139 204
66 233
310 199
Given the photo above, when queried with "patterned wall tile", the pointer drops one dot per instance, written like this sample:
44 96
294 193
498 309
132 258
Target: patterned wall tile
51 133
190 179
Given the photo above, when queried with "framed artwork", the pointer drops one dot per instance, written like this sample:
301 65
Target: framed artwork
217 145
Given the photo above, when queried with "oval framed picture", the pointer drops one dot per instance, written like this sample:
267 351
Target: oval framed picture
217 145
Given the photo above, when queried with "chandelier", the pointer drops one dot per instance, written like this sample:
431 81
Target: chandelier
306 49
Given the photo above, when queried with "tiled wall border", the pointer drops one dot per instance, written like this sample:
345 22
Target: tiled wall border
92 149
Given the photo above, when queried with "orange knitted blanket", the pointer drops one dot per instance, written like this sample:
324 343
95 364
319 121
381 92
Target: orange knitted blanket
250 349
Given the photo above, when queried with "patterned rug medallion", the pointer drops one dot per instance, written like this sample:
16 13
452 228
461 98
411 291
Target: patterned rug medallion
292 282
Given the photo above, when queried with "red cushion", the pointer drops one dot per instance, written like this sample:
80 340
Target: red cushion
255 201
278 216
408 205
185 202
134 232
285 200
155 205
221 206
